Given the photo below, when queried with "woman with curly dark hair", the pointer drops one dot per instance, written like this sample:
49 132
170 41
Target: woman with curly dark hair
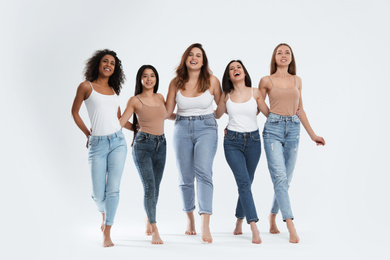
105 142
195 136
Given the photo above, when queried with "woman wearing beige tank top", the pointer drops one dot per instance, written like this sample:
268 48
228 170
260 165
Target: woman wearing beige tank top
281 131
149 144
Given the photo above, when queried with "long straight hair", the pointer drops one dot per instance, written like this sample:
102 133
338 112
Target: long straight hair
292 69
182 71
227 84
139 89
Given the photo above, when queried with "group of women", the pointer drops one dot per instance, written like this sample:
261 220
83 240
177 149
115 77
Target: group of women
193 91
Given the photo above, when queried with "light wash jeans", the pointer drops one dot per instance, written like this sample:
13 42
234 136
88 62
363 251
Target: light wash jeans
149 153
281 139
107 156
242 152
195 143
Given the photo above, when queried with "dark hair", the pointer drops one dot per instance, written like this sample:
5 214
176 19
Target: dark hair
91 71
227 85
182 74
139 89
292 69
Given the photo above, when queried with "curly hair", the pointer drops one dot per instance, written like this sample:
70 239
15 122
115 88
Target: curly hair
138 90
91 71
292 68
182 74
227 85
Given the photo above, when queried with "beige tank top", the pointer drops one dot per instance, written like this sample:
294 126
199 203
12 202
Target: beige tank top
284 101
151 119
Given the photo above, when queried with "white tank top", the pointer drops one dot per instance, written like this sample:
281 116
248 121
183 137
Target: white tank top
194 106
103 113
242 116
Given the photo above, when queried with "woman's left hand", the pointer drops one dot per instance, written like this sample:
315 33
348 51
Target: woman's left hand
318 140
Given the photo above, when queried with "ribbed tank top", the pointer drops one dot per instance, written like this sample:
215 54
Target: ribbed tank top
194 106
151 119
103 113
242 116
284 101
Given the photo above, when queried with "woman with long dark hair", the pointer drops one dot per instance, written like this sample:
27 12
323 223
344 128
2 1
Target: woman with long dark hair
195 136
149 144
242 144
105 142
282 131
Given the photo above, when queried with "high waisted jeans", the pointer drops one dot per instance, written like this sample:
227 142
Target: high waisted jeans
242 152
195 142
149 153
281 139
107 155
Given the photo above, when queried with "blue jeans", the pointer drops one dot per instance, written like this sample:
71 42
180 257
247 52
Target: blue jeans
149 153
107 156
281 139
195 143
242 152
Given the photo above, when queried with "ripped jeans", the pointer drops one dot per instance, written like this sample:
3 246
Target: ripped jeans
281 139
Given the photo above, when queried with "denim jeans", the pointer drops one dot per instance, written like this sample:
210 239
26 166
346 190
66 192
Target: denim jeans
242 152
149 153
195 143
107 156
281 139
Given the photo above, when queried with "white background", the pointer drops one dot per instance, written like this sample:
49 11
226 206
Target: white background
339 192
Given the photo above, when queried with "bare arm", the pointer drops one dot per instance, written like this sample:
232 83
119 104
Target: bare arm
130 107
215 89
304 120
261 105
171 100
221 109
82 92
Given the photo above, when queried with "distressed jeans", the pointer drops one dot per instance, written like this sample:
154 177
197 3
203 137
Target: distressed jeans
149 154
195 143
281 139
107 156
242 152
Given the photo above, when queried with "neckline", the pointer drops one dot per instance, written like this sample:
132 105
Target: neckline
143 104
93 89
196 96
240 102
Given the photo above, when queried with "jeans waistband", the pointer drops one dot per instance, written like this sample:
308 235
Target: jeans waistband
282 118
106 137
150 136
195 117
243 134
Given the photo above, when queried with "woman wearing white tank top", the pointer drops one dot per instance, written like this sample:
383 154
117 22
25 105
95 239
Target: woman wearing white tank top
242 144
195 136
106 144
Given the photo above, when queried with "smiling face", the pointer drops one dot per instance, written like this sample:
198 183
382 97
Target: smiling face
148 79
236 72
107 65
195 59
283 56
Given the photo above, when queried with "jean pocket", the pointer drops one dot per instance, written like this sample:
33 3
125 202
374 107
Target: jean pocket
93 141
296 120
140 138
209 121
255 137
273 121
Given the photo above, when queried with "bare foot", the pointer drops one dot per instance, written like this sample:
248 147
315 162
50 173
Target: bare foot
273 229
190 224
293 233
206 235
156 240
102 225
238 229
256 239
107 242
148 228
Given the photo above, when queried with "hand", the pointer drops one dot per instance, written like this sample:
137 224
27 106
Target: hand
87 142
225 131
319 140
298 113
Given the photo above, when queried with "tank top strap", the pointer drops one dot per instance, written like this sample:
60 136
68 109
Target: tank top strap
271 81
139 100
252 91
90 83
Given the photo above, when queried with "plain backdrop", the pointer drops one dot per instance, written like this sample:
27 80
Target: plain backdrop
339 192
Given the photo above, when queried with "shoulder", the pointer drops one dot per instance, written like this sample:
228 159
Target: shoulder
265 81
134 101
172 85
224 96
160 96
256 93
214 81
298 81
86 85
